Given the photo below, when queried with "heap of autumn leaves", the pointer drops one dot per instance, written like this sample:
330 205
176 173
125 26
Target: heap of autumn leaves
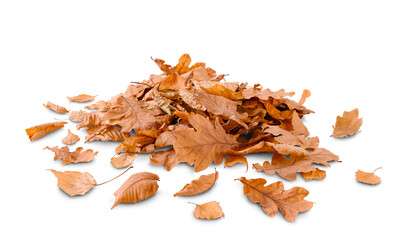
204 119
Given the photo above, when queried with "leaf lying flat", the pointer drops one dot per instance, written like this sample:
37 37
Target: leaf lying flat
273 197
348 124
77 156
74 183
368 178
81 98
137 188
200 185
70 139
41 130
56 108
209 210
123 160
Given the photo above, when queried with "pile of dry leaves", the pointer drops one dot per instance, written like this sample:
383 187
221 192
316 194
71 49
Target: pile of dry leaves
203 118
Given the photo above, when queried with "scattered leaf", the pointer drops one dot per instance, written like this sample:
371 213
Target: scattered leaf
316 174
56 108
68 157
39 131
231 160
200 185
348 124
70 139
123 160
209 210
368 178
81 98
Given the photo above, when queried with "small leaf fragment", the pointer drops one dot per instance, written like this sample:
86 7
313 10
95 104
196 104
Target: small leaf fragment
348 124
56 108
76 156
82 98
231 160
200 185
209 210
368 178
316 174
70 139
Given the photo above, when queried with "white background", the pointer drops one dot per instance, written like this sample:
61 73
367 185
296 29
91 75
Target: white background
347 53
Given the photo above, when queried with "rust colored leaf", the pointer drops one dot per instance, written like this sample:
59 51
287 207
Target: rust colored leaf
316 174
368 178
273 197
173 81
167 158
56 108
209 210
137 188
70 139
82 98
348 124
41 130
106 133
231 160
200 185
76 156
123 160
136 144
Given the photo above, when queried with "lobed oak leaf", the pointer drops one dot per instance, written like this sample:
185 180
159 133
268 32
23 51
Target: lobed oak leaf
137 188
41 130
82 98
165 139
316 174
76 156
200 185
348 124
231 160
90 120
56 108
209 210
123 160
273 197
368 178
70 139
167 158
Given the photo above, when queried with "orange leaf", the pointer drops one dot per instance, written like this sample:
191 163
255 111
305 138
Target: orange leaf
78 116
137 188
56 108
173 81
167 158
348 124
209 210
82 98
305 94
222 91
123 160
231 160
74 183
39 131
369 178
200 185
316 174
72 157
70 139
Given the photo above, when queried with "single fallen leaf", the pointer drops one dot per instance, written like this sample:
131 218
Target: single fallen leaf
71 138
231 160
56 108
123 160
316 174
68 157
273 197
209 210
200 185
368 178
82 98
39 131
77 183
167 158
137 188
348 124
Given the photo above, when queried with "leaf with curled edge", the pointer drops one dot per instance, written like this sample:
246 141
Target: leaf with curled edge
274 197
201 147
76 156
167 158
348 124
200 185
70 139
82 98
41 130
209 210
138 187
368 178
123 160
56 108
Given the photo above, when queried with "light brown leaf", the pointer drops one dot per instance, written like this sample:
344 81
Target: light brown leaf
82 98
305 94
41 130
136 144
348 124
316 174
209 210
165 139
273 197
71 138
200 185
123 160
56 108
231 160
68 157
368 178
78 116
106 133
173 81
167 158
100 105
137 188
222 91
74 183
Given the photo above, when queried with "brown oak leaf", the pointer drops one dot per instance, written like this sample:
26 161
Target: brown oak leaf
348 124
56 108
41 130
368 178
76 156
209 210
200 185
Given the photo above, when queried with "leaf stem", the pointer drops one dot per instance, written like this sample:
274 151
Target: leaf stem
115 177
377 169
142 83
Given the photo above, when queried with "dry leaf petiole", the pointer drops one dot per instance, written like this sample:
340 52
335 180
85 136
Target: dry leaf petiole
115 177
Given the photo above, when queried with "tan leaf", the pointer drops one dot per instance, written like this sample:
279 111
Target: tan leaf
201 147
200 185
348 124
71 138
277 114
368 178
165 139
167 158
222 91
209 210
231 160
137 188
78 116
316 174
173 81
136 144
123 160
74 183
273 197
305 94
90 120
41 130
72 157
100 105
56 108
265 94
82 98
106 133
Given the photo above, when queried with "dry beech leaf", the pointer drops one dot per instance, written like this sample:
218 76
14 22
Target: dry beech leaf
82 98
348 124
209 210
231 160
200 185
273 197
77 183
39 131
368 178
137 188
76 156
56 108
70 139
123 160
316 174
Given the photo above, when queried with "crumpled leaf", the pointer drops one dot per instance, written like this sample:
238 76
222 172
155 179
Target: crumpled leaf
348 124
274 197
56 108
231 160
70 139
74 183
82 98
41 130
167 158
200 185
137 188
368 178
173 81
209 210
316 174
76 156
123 160
78 116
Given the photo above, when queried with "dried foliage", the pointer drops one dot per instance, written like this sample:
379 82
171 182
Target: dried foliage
56 108
76 156
348 124
81 98
209 210
200 185
71 138
123 160
39 131
368 178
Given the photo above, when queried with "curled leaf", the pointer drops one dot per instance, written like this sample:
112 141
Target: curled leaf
41 130
81 98
368 178
71 138
348 124
316 174
231 160
123 160
56 108
200 185
74 183
76 156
